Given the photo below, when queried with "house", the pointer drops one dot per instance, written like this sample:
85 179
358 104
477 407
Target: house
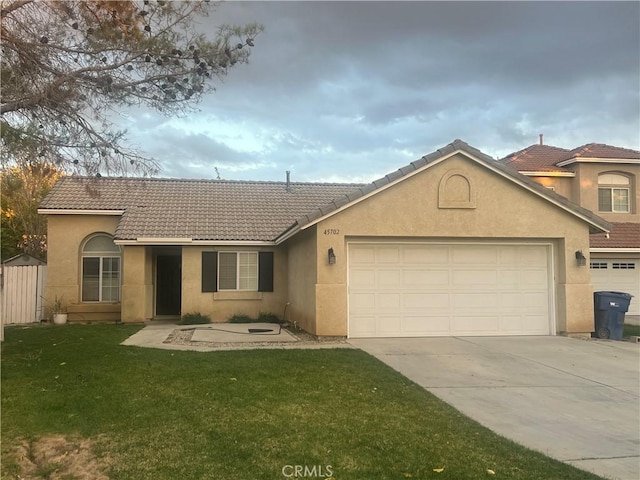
454 243
603 179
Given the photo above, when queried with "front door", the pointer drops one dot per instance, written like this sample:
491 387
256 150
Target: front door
168 284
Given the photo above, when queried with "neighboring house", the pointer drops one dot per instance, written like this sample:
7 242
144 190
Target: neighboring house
454 243
603 179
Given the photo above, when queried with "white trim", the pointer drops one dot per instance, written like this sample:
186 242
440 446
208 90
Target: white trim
597 160
167 240
552 285
546 174
614 250
188 241
430 164
62 211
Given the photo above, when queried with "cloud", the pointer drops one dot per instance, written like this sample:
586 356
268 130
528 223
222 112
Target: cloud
353 90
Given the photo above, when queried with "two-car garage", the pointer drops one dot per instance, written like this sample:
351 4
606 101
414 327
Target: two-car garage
442 289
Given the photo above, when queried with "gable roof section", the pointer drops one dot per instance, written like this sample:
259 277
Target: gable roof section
546 159
596 223
538 158
623 236
600 152
186 211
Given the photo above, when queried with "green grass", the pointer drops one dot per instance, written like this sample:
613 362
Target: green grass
160 414
629 330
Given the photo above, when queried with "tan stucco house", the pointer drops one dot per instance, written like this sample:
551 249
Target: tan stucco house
603 179
454 243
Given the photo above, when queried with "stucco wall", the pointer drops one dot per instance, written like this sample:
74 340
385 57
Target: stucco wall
137 284
411 209
586 189
65 234
221 305
561 185
302 279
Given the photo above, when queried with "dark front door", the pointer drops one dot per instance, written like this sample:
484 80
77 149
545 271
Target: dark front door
168 284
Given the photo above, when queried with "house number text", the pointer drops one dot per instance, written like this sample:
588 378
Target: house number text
332 231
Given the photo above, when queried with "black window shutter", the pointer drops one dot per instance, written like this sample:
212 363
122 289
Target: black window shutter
265 271
209 271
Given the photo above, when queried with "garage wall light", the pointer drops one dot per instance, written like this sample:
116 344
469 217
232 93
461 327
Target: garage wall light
332 256
581 260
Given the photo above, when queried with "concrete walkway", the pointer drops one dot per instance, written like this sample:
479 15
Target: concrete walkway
223 336
575 400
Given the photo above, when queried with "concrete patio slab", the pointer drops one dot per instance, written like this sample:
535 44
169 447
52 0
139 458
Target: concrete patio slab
224 336
575 400
233 332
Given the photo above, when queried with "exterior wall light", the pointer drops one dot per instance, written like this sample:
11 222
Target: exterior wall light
332 256
581 260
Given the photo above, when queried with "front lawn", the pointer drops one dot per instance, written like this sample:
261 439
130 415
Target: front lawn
261 414
629 330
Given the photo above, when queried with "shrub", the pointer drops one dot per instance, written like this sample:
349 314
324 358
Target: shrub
240 318
194 318
268 317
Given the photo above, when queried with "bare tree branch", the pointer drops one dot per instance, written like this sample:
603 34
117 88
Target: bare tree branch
66 66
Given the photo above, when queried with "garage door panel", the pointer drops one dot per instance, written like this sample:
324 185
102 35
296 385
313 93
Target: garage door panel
421 278
461 302
388 255
362 301
466 277
425 300
388 301
474 255
419 255
421 324
534 278
459 289
389 278
363 277
474 324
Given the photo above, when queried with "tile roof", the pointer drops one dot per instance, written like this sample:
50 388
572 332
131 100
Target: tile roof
220 210
622 235
600 150
545 158
197 209
537 158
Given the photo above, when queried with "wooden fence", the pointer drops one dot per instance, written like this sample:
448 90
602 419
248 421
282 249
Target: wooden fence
21 289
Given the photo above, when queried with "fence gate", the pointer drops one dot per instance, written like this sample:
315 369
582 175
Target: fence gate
21 289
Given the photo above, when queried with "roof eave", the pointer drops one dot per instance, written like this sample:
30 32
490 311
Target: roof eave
598 160
541 173
79 211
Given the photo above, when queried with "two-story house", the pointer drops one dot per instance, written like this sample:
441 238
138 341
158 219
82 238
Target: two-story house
603 179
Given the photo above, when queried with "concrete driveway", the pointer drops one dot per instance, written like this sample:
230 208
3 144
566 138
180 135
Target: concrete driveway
575 400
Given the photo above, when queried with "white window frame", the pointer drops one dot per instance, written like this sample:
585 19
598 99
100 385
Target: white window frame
101 256
240 276
615 183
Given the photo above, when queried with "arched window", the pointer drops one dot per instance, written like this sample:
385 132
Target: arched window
613 192
101 270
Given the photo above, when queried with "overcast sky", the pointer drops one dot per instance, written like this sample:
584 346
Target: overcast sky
350 91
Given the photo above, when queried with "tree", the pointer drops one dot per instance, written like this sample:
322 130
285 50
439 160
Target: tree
68 66
24 186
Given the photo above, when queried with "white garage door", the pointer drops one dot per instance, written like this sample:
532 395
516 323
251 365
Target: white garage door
411 290
618 275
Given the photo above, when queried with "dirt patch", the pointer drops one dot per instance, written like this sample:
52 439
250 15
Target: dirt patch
59 458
